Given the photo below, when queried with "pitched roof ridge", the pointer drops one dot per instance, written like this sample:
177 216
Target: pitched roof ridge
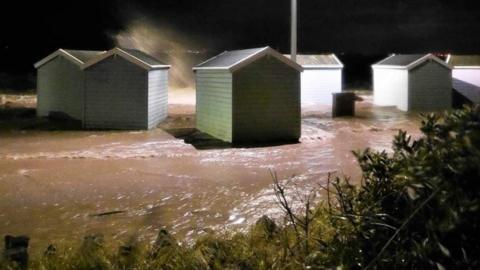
123 52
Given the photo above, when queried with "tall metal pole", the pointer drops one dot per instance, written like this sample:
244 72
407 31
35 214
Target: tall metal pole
293 51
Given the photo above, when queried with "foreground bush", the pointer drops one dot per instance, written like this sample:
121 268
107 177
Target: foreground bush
417 208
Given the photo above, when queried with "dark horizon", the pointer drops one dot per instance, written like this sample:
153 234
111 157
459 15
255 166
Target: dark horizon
345 27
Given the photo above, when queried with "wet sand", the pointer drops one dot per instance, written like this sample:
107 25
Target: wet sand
61 185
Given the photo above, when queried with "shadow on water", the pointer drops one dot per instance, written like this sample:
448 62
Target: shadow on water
459 100
22 118
203 141
197 139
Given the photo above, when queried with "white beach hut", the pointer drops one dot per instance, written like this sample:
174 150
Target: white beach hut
466 75
321 77
413 82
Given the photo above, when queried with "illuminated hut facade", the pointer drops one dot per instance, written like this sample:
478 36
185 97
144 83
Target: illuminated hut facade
321 77
249 96
466 75
413 83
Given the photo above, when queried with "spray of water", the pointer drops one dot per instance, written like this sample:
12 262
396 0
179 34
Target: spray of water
167 45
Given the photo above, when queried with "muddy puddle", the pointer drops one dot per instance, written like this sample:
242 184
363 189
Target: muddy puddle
61 185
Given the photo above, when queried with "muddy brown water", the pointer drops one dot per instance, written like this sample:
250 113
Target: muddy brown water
58 186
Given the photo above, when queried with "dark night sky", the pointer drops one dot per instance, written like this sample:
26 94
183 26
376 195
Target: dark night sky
350 26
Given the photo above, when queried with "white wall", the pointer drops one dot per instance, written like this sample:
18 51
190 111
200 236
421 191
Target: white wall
390 87
157 97
403 94
467 82
319 84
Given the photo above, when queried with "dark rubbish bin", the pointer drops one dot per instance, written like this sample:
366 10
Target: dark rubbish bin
343 104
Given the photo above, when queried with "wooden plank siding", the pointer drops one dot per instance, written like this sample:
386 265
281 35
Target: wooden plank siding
60 85
116 95
266 102
214 103
430 87
157 97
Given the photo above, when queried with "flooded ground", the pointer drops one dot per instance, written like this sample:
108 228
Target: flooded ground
61 185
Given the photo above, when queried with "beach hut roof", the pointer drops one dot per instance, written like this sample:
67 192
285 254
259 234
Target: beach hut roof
234 60
407 61
464 61
318 60
134 56
78 57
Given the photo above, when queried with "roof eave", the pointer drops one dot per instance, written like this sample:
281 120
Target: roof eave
140 61
126 56
59 52
418 61
426 58
388 67
322 66
383 60
210 68
449 60
414 64
465 67
449 57
160 67
265 51
249 59
210 59
334 56
338 60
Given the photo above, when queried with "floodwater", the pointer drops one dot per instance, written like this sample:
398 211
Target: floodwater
61 185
